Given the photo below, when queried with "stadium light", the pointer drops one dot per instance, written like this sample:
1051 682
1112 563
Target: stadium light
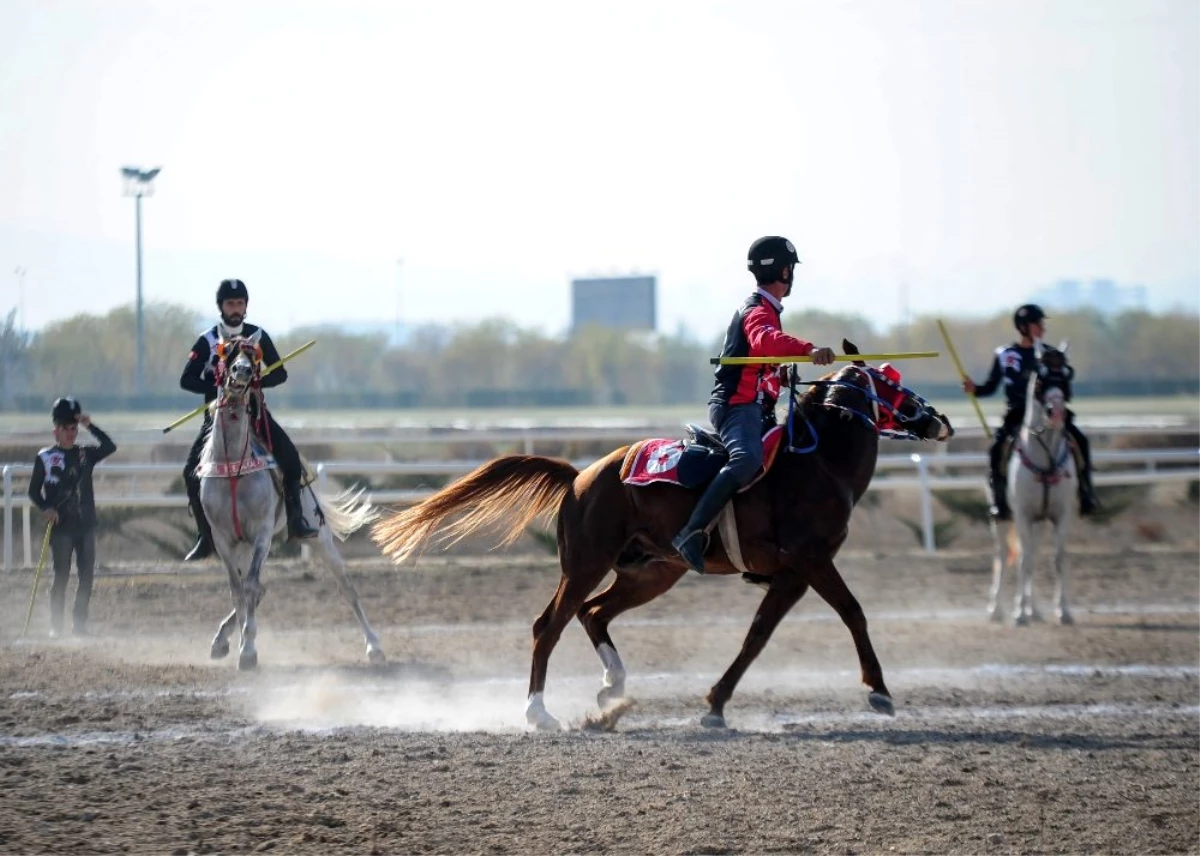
139 183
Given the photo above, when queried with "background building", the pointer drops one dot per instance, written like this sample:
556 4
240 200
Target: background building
623 302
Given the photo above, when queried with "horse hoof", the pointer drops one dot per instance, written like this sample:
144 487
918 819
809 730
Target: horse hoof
1021 621
376 657
881 704
996 616
544 722
609 696
713 720
1066 619
218 652
248 660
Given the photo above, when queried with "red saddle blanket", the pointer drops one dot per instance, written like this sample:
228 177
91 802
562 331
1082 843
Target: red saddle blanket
664 461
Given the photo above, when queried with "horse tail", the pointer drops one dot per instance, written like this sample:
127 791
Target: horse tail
514 488
346 512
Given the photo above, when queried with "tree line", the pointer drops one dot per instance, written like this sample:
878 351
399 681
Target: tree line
498 362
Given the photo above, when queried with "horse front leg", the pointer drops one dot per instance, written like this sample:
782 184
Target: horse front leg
333 560
227 550
1024 610
628 590
787 587
252 592
220 644
828 583
1061 530
999 562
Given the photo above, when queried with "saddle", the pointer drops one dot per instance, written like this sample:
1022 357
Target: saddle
691 462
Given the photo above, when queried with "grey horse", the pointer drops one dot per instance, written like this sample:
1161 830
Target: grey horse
1041 487
239 496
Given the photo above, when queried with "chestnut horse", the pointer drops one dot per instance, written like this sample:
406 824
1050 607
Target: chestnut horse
791 524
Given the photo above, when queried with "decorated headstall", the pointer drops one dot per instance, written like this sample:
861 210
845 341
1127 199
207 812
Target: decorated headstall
1052 372
229 371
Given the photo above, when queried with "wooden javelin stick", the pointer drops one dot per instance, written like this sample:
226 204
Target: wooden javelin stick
265 372
837 358
963 374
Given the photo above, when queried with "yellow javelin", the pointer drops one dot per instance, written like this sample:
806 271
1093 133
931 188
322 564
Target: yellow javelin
265 372
37 575
963 374
837 358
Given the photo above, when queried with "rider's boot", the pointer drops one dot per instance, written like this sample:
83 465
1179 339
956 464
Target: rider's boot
1088 502
692 541
297 526
999 508
204 544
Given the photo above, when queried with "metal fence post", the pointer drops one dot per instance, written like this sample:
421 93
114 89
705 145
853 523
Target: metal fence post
26 539
926 504
8 521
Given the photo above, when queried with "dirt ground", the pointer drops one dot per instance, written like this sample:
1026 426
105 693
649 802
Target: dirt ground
1045 739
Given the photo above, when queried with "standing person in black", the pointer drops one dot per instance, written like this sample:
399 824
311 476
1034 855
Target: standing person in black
1013 366
232 299
61 487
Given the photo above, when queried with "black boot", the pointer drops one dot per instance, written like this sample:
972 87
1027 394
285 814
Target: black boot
692 541
999 508
297 526
204 544
1087 494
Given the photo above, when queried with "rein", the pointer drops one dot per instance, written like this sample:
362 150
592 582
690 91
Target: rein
260 421
872 420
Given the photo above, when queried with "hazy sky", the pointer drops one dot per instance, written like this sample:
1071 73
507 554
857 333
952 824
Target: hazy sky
975 150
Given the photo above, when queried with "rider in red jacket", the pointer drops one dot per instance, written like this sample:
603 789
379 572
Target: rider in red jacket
742 404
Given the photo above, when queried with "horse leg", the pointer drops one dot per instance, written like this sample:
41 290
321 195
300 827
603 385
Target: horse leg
1061 530
828 583
787 587
333 560
999 561
252 592
1024 610
220 643
579 579
628 590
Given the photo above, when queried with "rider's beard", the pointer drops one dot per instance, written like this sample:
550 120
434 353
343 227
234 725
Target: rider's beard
232 323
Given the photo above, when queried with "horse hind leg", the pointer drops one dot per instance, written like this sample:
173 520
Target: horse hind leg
629 590
337 566
1062 611
578 580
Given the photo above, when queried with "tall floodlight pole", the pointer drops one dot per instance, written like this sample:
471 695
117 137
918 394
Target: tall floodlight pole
139 183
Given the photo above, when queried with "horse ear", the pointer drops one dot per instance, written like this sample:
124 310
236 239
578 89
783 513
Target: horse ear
1064 347
849 347
255 336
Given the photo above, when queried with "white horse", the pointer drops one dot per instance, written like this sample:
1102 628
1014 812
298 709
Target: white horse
1041 487
242 504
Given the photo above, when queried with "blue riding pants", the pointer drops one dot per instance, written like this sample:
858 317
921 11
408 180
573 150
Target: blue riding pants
740 428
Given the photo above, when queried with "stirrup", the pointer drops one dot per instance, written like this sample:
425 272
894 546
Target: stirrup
690 550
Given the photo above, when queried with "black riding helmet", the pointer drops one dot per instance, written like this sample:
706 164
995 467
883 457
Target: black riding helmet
768 257
66 411
1029 313
232 289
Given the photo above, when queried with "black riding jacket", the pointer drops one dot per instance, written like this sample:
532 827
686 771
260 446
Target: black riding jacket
1012 366
197 375
62 480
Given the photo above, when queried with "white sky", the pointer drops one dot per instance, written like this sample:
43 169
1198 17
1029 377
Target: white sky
973 149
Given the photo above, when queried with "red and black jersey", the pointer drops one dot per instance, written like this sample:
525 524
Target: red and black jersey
755 331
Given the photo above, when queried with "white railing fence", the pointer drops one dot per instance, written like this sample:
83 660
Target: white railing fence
913 472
